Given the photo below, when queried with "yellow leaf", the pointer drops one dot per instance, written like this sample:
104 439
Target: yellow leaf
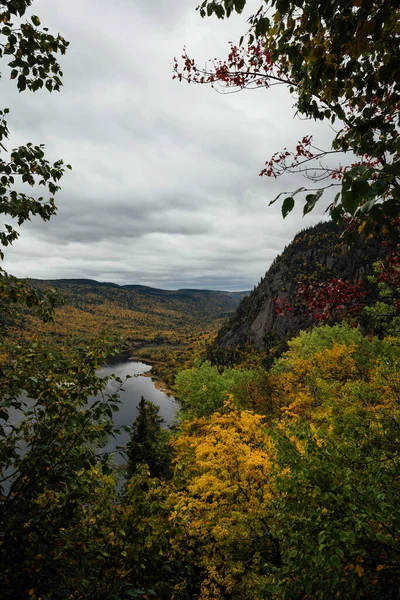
359 570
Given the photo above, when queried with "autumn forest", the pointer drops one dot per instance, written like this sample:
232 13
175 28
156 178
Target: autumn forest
279 478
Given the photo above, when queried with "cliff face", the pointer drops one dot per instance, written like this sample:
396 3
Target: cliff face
315 255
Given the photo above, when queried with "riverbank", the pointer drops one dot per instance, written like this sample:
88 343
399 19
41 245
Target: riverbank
159 384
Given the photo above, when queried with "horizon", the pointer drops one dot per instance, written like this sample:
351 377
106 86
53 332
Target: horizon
89 280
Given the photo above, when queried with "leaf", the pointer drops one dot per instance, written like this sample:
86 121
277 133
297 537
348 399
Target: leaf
365 208
311 200
349 202
393 169
262 26
287 206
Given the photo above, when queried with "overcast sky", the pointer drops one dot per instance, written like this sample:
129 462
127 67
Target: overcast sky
164 189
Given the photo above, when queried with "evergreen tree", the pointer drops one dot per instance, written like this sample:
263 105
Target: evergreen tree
148 441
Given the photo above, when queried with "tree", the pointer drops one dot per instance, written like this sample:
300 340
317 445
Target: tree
55 483
203 389
337 464
30 53
219 507
148 441
341 61
54 479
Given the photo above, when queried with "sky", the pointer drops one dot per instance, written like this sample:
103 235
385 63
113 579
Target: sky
164 189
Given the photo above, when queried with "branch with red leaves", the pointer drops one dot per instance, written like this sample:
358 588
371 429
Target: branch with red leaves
245 68
333 299
339 298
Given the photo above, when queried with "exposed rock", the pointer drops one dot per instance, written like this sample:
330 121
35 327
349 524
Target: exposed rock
315 255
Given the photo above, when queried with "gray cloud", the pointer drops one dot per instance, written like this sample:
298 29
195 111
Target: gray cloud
165 188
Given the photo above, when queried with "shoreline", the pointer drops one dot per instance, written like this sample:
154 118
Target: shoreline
159 384
127 356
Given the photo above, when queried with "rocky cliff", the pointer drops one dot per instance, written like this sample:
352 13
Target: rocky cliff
315 255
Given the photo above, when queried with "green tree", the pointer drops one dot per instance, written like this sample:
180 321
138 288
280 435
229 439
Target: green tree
30 53
54 478
203 389
57 490
341 61
148 441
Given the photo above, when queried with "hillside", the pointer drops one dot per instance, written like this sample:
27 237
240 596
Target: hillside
315 255
166 327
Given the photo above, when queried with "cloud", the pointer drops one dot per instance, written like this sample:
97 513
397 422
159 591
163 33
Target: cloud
164 189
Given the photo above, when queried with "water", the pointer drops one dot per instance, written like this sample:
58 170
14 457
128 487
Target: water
133 390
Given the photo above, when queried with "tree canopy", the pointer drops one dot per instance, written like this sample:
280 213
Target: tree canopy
341 61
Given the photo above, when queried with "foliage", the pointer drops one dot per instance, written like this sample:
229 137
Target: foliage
31 55
284 485
54 478
203 390
57 490
219 519
337 445
337 520
304 505
341 62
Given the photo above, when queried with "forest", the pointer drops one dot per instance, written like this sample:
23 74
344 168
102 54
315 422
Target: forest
280 478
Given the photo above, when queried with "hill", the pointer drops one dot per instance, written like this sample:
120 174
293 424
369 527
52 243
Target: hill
167 327
315 255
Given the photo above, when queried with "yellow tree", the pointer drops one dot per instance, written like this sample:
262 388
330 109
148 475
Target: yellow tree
219 505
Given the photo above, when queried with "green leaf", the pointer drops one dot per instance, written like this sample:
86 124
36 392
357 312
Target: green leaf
349 202
393 169
365 208
311 200
380 186
396 192
239 5
262 26
21 83
360 188
334 560
287 206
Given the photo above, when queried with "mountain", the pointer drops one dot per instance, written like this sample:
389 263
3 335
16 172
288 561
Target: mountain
315 255
141 315
203 303
167 328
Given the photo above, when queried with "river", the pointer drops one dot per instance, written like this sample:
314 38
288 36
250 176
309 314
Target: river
134 389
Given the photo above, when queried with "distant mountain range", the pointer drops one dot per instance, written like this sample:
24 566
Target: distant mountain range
136 311
199 299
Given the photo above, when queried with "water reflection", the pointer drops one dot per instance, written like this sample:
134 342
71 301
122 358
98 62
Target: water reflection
133 390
